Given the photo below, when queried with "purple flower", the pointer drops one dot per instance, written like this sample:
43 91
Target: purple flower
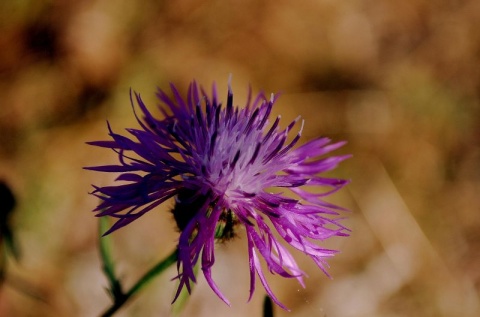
222 164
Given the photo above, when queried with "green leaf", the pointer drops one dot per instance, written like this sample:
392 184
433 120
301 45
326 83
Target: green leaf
115 289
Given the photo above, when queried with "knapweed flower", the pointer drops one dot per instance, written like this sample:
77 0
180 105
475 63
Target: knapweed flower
223 165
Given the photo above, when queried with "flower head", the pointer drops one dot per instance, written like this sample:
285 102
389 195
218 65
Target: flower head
222 165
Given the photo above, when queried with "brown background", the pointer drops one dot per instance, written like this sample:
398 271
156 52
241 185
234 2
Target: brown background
399 80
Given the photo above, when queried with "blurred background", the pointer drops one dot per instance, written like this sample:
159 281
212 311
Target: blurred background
399 80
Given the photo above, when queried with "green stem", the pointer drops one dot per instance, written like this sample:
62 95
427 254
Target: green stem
119 301
119 297
154 271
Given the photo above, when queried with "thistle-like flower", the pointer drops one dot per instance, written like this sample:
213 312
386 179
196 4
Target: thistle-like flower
222 164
